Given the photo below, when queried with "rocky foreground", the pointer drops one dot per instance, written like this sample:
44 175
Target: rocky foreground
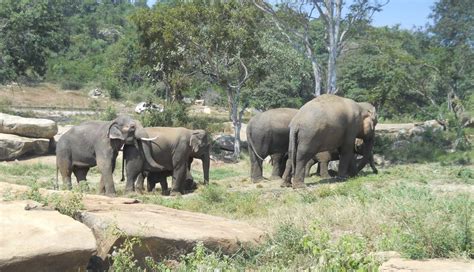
38 237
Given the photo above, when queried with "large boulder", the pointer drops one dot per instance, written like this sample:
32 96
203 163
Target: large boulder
13 147
28 127
42 240
164 232
431 265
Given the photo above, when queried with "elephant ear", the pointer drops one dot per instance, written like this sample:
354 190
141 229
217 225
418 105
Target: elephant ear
197 140
369 124
115 132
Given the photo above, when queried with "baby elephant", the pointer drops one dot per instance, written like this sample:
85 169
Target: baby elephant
160 177
325 157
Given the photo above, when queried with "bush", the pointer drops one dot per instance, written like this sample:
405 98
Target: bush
174 115
71 85
109 114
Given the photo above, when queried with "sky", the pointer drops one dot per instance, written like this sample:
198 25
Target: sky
406 13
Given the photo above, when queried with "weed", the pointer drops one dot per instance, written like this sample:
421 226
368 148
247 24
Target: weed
69 204
109 114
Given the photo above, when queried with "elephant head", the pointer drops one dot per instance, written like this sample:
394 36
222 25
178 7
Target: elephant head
122 128
200 146
143 142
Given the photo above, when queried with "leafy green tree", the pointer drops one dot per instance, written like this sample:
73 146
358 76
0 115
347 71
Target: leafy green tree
29 31
218 40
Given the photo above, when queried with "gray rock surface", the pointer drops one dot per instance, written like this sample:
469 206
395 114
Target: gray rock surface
13 147
42 240
28 127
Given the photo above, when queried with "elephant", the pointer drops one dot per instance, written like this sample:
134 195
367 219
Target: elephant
323 158
95 143
160 177
174 148
328 122
267 134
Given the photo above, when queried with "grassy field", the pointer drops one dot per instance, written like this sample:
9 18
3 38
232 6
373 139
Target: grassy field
422 210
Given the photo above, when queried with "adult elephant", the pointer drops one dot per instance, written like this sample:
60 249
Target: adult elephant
323 158
95 143
267 134
327 122
173 148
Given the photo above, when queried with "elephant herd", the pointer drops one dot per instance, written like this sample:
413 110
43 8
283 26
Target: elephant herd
328 127
156 152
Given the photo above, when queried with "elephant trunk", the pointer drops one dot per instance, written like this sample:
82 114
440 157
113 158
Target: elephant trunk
205 167
367 154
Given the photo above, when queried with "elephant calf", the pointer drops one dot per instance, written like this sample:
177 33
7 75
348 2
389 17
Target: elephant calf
325 157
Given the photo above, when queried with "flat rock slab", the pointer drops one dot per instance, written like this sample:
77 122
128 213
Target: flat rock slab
432 265
164 232
13 147
42 240
28 127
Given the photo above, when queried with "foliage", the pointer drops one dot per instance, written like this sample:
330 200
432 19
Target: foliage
29 31
69 204
173 115
123 258
109 114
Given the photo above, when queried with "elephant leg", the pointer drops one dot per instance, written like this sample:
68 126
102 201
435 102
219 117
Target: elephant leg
287 174
65 168
256 172
179 177
302 158
139 182
106 181
80 173
346 160
152 178
310 164
277 165
372 165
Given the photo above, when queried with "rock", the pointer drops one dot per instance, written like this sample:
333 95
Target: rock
110 35
96 93
383 256
13 147
431 265
187 100
380 160
199 102
28 127
206 110
164 232
393 128
400 144
225 142
42 240
144 106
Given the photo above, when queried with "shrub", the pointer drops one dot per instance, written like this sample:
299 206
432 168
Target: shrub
69 204
174 115
109 114
71 85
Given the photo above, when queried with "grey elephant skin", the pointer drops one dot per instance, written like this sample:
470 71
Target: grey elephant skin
173 148
160 177
323 158
268 134
326 123
94 143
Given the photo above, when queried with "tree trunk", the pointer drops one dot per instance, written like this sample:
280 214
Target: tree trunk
233 98
315 66
333 19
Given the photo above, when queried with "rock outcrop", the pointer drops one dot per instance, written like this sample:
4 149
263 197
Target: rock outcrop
164 232
42 240
432 265
13 146
27 127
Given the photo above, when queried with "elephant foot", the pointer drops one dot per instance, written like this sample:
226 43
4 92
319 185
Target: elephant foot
166 193
111 194
298 185
275 177
285 184
174 193
257 180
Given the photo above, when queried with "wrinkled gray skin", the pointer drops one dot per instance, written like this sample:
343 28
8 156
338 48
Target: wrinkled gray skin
94 143
174 149
267 134
323 158
328 122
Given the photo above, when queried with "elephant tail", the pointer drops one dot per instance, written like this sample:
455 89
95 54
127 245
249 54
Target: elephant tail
293 146
57 182
252 147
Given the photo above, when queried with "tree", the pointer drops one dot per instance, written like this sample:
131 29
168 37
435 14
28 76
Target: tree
29 31
338 29
218 40
453 30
